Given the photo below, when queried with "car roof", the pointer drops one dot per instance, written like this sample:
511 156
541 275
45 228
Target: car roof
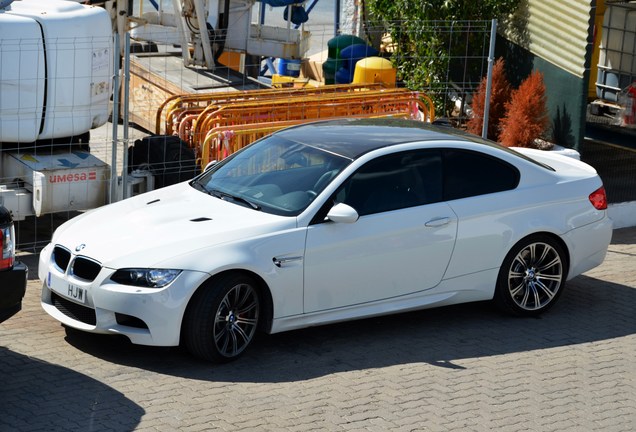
351 138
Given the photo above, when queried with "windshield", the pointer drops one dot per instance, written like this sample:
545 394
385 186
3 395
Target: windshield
273 175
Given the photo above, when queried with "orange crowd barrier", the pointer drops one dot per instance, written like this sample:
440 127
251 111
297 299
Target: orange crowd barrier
222 141
217 124
198 101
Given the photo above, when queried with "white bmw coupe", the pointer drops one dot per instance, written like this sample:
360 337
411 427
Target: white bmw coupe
327 222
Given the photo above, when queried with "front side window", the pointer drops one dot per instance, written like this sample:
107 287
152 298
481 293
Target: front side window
393 182
274 175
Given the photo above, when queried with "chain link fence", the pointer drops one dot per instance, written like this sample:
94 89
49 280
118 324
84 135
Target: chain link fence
89 167
445 59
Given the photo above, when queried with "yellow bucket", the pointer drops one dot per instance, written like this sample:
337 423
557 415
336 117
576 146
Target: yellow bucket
375 70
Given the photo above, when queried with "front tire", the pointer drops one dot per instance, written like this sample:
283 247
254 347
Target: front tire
532 276
223 319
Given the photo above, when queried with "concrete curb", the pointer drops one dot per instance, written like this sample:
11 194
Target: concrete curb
623 214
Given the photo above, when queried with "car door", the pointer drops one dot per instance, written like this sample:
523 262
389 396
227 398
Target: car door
401 243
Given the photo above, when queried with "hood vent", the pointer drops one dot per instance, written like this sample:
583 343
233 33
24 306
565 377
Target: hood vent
153 201
201 219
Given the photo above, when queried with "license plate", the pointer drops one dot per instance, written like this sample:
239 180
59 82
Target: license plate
76 293
67 290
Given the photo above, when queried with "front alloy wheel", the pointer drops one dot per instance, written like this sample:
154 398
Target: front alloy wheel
532 276
223 318
236 320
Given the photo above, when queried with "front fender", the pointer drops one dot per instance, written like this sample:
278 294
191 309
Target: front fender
276 258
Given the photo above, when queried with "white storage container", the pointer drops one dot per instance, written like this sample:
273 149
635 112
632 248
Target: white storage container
22 74
617 55
60 182
55 69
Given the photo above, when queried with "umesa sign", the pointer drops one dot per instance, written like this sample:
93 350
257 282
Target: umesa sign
72 178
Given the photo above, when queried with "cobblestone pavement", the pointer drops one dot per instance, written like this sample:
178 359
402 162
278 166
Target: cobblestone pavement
450 369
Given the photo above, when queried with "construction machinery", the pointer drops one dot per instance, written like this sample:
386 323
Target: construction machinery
59 64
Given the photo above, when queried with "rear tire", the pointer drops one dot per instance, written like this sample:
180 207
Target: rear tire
532 276
168 158
223 318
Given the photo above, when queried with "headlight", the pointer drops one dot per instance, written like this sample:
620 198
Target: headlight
149 278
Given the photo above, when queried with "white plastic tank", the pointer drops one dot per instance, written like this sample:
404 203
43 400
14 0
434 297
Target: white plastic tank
617 55
56 69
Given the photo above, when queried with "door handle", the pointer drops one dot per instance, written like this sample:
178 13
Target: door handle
438 222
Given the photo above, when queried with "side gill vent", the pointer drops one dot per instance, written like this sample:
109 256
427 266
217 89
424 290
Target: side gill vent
200 219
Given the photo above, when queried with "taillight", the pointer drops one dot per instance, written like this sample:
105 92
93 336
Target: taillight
598 198
7 247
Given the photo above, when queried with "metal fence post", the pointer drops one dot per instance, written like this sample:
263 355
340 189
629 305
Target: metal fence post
336 17
491 61
114 120
126 96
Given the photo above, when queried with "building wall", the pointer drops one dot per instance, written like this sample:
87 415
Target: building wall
555 38
567 101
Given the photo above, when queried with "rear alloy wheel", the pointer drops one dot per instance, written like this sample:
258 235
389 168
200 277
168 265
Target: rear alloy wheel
532 276
223 321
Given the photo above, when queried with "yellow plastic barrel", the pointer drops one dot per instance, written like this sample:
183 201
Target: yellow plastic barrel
375 70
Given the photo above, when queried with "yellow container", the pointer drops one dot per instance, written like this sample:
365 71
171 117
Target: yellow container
283 81
374 70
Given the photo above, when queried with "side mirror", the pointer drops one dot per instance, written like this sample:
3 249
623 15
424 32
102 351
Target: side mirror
343 213
210 165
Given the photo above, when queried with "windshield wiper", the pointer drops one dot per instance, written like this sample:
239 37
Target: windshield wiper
225 196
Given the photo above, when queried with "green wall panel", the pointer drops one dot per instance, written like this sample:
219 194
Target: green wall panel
566 92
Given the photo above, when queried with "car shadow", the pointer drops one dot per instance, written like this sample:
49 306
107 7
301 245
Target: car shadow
624 236
29 385
589 310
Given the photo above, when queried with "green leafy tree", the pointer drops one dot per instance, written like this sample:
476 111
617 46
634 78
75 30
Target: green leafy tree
433 39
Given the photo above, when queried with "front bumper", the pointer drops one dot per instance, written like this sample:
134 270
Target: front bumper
12 289
146 316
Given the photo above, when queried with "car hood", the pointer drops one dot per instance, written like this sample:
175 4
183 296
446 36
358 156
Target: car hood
157 226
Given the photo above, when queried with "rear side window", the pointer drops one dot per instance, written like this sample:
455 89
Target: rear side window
468 173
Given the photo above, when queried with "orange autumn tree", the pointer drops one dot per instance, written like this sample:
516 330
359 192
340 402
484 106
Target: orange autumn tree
499 97
526 116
